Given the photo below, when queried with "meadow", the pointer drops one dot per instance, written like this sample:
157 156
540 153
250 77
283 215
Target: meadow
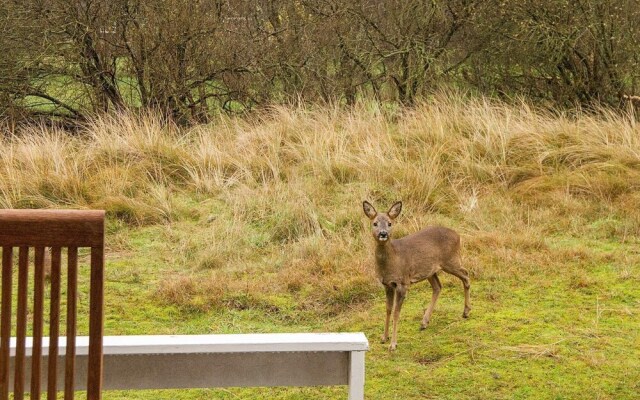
254 224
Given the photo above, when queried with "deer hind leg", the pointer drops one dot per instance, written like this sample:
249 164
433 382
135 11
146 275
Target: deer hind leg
400 294
436 286
456 269
390 292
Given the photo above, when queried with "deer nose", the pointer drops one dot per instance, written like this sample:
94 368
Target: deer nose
383 234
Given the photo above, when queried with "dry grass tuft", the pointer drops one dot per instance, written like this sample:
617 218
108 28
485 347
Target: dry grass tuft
535 350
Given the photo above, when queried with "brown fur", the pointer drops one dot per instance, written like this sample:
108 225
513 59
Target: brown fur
411 259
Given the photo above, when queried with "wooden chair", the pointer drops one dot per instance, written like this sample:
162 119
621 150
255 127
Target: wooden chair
22 230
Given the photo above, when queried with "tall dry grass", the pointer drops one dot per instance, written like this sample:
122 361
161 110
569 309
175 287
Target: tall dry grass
270 203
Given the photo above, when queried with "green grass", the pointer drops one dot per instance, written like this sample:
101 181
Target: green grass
546 333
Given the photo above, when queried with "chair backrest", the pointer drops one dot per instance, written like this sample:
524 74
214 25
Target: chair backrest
55 229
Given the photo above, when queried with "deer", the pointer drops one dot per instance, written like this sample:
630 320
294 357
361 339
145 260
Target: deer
411 259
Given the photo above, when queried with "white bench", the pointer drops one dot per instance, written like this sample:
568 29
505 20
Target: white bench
207 361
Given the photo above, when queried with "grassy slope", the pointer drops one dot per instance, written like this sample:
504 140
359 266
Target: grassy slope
546 333
541 335
256 226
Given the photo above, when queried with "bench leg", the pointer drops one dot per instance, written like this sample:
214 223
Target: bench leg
356 376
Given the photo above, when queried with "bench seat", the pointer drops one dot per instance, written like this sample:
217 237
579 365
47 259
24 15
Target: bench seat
207 361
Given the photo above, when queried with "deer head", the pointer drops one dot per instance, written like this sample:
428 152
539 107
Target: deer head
382 223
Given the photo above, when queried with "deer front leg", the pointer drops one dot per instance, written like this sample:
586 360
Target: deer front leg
389 292
400 294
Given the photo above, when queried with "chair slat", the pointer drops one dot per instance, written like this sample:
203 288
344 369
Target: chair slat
94 375
72 289
21 322
54 323
5 323
38 309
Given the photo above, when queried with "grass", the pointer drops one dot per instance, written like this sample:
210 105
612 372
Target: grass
254 224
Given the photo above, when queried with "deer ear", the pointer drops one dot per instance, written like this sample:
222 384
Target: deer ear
369 210
395 209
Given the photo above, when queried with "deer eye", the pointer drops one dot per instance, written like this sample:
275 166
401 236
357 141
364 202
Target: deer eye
389 223
375 224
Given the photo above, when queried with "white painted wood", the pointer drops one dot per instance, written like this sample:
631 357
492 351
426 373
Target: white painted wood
203 361
356 375
206 370
232 343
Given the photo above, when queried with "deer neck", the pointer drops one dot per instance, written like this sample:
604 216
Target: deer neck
385 254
